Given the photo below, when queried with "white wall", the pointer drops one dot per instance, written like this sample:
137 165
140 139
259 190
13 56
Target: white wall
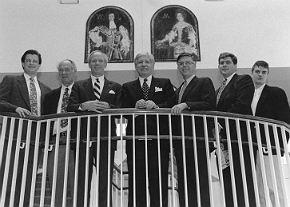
250 29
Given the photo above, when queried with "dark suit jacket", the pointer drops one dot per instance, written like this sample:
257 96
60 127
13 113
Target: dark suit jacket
198 95
273 104
14 94
82 91
236 98
161 93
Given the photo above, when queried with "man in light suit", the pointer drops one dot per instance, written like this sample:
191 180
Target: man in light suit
236 97
17 96
56 102
86 97
269 102
193 95
159 94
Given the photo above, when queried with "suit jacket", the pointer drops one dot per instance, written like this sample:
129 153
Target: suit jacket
198 95
14 94
161 93
273 104
236 98
83 91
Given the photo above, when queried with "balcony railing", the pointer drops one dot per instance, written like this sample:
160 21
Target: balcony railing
41 163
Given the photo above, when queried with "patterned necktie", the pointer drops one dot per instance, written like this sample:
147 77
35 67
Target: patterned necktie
33 98
145 89
182 91
220 91
64 104
97 89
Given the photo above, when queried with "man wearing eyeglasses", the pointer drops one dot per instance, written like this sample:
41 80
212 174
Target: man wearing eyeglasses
194 94
23 95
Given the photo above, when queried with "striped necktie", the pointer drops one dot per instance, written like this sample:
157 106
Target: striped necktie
33 98
220 91
145 89
97 89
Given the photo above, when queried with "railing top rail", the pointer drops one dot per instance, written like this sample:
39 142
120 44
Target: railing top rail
128 111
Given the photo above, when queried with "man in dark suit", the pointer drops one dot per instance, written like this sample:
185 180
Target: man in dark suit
95 94
269 102
56 102
235 96
147 92
193 95
23 95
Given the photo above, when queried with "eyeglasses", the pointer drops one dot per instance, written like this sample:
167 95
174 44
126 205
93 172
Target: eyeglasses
186 63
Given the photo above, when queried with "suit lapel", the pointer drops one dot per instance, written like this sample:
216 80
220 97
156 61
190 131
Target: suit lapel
154 83
137 88
54 104
89 89
191 84
262 98
106 89
22 86
228 86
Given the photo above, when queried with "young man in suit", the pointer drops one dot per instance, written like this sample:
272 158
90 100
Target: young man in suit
147 92
193 95
95 94
235 96
24 95
56 102
269 102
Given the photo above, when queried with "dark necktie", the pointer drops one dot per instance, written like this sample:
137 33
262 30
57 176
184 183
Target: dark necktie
97 89
64 104
33 98
220 91
182 91
145 89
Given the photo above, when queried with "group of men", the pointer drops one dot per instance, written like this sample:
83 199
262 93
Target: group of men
240 94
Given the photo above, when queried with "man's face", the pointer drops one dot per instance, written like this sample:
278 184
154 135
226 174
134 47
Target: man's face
31 64
97 65
144 66
260 75
186 67
66 73
227 67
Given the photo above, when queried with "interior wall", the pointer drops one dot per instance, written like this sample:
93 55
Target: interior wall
252 30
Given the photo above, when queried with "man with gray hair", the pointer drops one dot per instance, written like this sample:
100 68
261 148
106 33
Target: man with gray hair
56 102
95 94
147 92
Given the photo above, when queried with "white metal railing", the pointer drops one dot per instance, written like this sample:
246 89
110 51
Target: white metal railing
26 147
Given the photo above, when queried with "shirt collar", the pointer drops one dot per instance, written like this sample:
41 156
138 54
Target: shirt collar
260 89
101 78
190 78
229 78
149 79
27 77
63 87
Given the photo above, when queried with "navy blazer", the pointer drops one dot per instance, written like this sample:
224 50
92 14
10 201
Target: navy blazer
161 93
14 94
83 91
236 98
272 104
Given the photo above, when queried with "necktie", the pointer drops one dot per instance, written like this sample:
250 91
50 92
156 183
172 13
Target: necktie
182 91
33 98
64 104
145 89
97 89
221 90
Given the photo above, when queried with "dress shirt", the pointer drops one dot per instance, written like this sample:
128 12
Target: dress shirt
149 79
38 91
256 97
229 79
